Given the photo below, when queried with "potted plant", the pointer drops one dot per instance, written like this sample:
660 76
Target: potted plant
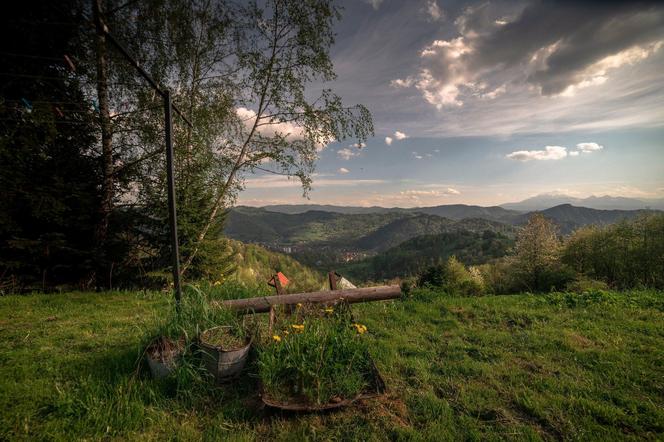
162 355
224 350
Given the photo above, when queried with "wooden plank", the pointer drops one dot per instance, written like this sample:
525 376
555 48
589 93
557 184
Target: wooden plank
264 303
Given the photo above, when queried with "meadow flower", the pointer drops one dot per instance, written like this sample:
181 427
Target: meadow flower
329 310
361 329
276 338
298 327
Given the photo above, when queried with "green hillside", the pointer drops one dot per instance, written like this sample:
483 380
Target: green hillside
280 229
413 255
255 265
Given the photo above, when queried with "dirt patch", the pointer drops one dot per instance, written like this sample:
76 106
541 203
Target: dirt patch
463 314
580 342
392 408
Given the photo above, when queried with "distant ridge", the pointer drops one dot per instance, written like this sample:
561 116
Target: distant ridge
569 217
546 201
455 212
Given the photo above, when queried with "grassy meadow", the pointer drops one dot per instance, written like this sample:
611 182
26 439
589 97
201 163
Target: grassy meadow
517 367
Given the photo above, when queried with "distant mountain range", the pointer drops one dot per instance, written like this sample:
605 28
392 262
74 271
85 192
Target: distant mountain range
451 211
503 212
546 201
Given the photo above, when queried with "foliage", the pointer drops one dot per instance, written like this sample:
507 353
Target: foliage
256 265
241 72
626 254
456 368
195 314
48 172
315 357
414 255
452 276
536 260
583 284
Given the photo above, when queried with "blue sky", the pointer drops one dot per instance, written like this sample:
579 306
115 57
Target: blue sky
492 102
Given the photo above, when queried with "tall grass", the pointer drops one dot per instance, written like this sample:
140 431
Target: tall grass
313 358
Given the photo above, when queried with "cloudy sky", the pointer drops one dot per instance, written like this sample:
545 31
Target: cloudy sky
487 102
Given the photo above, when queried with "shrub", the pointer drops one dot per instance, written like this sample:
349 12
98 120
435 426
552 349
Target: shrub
584 284
453 277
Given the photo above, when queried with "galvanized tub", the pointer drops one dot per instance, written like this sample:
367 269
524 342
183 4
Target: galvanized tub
223 363
162 355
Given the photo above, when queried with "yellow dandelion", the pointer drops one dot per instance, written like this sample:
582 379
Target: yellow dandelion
329 310
276 338
361 329
298 327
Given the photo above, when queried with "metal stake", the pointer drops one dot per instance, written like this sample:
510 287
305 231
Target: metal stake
172 214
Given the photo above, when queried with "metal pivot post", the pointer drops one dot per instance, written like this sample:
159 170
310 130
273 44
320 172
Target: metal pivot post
172 214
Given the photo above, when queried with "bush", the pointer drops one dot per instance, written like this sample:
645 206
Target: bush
497 277
584 284
453 277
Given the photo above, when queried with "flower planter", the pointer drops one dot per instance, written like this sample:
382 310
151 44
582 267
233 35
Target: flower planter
224 362
162 355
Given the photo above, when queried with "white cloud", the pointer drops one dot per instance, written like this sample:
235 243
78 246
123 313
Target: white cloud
417 193
589 147
287 129
597 73
400 135
343 170
388 141
374 3
549 153
347 153
434 10
417 156
574 153
278 181
399 82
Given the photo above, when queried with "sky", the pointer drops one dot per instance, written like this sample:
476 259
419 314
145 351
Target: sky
490 102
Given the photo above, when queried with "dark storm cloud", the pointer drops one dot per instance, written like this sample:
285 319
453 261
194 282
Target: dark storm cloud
584 33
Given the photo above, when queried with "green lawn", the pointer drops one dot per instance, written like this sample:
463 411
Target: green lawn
515 367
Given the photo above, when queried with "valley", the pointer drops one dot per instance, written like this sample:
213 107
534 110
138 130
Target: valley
376 243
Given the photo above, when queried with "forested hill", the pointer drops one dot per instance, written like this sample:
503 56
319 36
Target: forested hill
569 218
411 256
451 211
324 239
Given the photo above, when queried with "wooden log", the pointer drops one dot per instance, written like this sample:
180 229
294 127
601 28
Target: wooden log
264 303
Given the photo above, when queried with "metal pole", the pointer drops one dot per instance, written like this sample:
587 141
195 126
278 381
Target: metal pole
172 214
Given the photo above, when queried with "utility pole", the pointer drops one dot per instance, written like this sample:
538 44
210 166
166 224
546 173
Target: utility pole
102 31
